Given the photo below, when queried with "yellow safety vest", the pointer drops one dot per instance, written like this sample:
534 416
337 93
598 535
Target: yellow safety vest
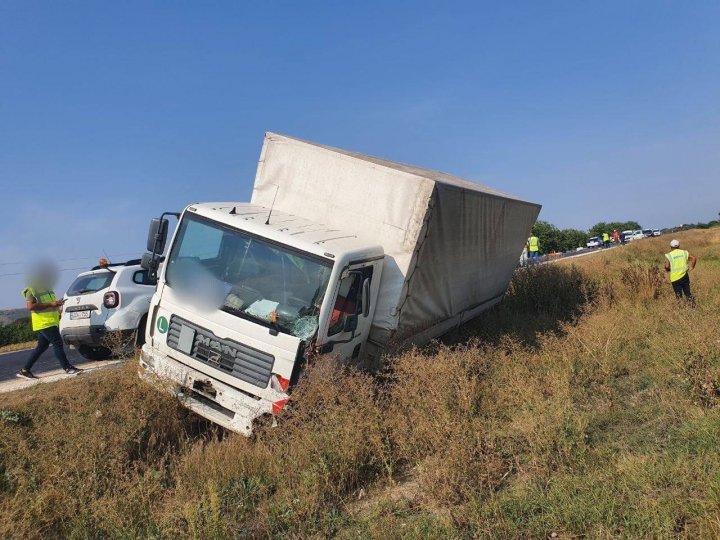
678 259
606 237
534 243
44 318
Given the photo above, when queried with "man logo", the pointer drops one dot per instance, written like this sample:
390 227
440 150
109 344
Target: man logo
219 348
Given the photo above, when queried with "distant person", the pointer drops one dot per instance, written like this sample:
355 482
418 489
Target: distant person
616 237
533 248
678 263
44 310
606 240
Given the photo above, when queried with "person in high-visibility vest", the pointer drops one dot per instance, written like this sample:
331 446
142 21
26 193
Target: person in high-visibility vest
678 263
533 247
44 310
606 239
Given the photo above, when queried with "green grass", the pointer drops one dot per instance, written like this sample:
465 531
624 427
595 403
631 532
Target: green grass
585 405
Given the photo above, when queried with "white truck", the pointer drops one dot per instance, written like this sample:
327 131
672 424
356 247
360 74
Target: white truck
337 253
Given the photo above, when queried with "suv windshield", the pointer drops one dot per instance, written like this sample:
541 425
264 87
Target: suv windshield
90 283
256 279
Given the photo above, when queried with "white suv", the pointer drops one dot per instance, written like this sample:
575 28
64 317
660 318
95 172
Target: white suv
594 242
632 235
106 309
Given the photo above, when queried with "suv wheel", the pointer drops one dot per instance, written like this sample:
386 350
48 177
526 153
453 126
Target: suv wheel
94 353
140 337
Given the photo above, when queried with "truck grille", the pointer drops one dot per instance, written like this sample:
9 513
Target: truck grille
245 363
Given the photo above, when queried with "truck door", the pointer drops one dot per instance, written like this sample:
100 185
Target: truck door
352 311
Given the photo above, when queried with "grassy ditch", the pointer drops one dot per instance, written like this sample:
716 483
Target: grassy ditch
585 404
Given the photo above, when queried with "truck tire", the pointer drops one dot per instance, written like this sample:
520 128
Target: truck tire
94 353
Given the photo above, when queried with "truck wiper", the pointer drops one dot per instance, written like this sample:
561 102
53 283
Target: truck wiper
243 315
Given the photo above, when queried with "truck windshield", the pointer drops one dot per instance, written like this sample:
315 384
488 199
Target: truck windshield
248 277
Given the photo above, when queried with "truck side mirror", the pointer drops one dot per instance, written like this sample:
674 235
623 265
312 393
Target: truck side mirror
150 263
157 235
351 323
366 297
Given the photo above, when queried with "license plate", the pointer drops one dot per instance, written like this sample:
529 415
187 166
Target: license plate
75 315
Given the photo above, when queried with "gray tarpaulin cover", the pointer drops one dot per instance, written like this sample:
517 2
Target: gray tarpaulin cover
451 245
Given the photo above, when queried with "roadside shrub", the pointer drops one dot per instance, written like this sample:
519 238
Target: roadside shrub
703 377
18 331
643 282
433 411
539 299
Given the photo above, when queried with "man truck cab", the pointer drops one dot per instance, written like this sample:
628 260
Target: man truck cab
336 253
242 300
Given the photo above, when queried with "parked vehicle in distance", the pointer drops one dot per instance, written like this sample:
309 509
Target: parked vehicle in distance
647 233
106 309
594 242
657 232
328 258
633 235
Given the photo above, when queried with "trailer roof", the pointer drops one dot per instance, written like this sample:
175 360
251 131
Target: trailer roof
435 176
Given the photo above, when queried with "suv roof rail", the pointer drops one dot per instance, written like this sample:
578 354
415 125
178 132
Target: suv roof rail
131 262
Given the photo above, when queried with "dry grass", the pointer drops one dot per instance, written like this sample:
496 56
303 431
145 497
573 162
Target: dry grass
18 346
586 404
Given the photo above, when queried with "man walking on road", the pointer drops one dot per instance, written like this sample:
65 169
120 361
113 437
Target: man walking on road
678 263
44 310
616 237
606 240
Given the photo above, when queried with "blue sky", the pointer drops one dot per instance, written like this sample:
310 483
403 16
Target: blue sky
111 112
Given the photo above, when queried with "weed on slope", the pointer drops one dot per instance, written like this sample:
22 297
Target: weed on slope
586 404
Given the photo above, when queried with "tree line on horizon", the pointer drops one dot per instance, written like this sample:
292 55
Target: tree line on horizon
560 240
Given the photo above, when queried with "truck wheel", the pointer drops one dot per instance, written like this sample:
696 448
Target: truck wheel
94 353
140 336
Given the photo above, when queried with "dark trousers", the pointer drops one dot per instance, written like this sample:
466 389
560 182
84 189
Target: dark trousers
682 287
47 337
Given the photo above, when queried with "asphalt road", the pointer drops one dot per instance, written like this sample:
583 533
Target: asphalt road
46 369
570 254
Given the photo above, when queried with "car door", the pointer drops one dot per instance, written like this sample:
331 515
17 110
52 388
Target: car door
353 308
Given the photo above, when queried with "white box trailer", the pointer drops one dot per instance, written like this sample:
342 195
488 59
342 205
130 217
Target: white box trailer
337 253
451 245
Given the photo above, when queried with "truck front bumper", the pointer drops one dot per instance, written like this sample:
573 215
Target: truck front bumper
229 407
